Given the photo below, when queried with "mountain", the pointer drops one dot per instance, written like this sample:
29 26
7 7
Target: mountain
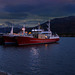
64 25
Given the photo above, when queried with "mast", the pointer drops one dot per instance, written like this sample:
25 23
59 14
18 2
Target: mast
23 29
11 32
38 25
48 26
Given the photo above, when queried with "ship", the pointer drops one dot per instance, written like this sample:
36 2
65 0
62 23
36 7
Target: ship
9 38
38 36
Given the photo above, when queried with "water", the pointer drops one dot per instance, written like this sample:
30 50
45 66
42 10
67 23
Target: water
44 59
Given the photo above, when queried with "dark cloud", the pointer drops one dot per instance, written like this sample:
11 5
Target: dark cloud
39 7
19 8
13 15
70 8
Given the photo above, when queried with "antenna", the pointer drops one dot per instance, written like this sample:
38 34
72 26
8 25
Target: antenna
23 29
48 25
38 25
11 32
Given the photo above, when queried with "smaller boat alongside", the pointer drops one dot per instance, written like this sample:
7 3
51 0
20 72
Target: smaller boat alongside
9 38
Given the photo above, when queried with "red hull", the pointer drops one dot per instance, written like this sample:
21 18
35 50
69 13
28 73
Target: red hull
9 40
21 40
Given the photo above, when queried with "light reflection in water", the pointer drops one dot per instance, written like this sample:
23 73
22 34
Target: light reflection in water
34 51
34 60
46 45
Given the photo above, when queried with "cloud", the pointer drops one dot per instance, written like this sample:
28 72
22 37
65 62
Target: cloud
68 9
33 2
51 8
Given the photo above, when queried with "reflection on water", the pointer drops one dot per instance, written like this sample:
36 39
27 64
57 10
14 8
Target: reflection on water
34 51
42 59
34 60
46 45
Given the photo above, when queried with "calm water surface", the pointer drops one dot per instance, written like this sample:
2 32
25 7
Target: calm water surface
44 59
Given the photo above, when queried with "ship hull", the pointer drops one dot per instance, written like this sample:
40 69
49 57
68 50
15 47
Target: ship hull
9 40
21 40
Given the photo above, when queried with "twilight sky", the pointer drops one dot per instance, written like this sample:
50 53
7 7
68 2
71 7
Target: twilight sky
24 9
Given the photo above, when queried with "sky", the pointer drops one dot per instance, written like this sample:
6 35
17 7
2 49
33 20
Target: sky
35 10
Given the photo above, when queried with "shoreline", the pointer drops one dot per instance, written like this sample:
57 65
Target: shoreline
66 35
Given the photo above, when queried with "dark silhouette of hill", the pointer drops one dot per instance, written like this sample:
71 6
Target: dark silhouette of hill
64 25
